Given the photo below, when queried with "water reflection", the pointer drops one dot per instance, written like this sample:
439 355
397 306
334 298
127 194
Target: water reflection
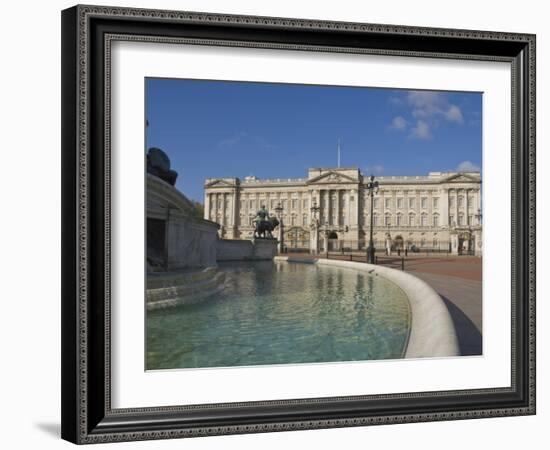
281 313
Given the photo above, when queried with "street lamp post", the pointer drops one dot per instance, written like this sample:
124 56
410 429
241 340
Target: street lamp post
372 188
315 225
280 243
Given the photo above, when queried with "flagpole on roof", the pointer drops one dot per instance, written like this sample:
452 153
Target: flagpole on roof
338 153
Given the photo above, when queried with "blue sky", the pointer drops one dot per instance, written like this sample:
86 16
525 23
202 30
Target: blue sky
234 129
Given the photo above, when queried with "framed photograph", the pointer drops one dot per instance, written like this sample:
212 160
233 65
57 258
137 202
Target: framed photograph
277 224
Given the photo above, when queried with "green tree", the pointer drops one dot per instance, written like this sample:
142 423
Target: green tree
198 209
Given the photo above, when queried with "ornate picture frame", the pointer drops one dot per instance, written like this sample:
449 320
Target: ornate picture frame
87 35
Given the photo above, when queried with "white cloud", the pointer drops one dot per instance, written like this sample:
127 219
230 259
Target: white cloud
421 130
398 123
425 104
432 106
467 166
454 114
428 109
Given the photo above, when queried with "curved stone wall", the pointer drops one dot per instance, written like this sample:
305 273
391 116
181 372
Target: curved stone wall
432 331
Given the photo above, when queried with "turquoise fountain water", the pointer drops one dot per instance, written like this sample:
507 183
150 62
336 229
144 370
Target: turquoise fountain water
283 313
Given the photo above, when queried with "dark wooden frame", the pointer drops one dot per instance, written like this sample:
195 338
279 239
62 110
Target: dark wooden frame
87 31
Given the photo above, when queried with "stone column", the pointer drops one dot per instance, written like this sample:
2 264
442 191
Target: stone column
216 207
456 206
393 208
444 207
206 214
326 206
356 207
430 208
330 207
337 206
299 215
310 197
467 206
224 205
235 212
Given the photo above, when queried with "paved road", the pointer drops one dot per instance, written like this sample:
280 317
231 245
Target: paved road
463 300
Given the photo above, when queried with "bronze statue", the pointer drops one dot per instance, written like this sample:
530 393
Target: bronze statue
158 164
264 224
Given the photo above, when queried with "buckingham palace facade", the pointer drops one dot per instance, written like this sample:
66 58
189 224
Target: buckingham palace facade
439 211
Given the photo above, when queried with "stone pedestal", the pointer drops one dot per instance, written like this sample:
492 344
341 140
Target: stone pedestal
176 239
314 241
264 248
478 243
388 244
245 250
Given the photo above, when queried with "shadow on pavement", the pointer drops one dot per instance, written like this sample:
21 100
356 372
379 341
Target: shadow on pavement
469 337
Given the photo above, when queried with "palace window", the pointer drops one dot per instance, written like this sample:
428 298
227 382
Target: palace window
387 203
400 203
252 204
452 220
375 204
470 220
284 203
273 204
435 243
304 221
451 202
411 202
435 220
398 220
375 220
424 220
293 220
387 221
293 203
460 200
242 204
424 202
435 202
460 220
305 203
411 220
